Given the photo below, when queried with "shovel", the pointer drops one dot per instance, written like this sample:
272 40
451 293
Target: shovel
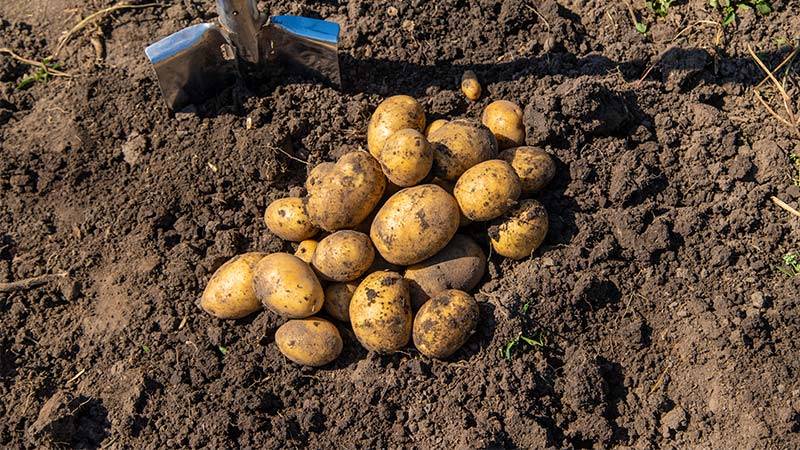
197 63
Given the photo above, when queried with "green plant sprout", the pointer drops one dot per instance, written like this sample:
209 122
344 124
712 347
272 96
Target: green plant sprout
508 349
659 7
791 264
730 7
42 74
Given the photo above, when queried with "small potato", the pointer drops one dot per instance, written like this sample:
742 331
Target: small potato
415 224
337 300
470 85
287 285
316 174
343 256
459 145
305 250
433 126
392 115
487 190
229 293
504 118
460 265
380 312
519 234
534 166
287 218
309 342
444 323
406 158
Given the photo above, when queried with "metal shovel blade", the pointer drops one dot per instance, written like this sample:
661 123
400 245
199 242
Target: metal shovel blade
308 45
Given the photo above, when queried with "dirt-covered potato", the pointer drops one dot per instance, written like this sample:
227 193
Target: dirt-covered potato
504 118
520 233
343 256
343 196
229 293
470 85
305 250
534 166
487 190
460 265
406 158
392 115
444 323
288 286
287 218
449 186
380 312
415 224
309 342
337 300
459 145
316 174
433 126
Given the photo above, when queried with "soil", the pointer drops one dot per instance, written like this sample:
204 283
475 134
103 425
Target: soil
663 319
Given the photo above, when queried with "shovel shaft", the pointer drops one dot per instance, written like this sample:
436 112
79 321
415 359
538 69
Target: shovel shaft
242 21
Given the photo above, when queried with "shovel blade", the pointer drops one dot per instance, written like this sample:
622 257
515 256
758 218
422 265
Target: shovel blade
310 46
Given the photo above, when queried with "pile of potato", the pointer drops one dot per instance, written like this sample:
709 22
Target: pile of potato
389 260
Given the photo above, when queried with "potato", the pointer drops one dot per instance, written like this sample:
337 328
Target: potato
317 173
460 265
287 218
343 256
406 158
309 342
433 126
229 293
459 145
380 312
534 166
392 115
305 250
470 85
344 195
487 190
337 300
449 186
504 118
519 234
444 323
287 285
415 224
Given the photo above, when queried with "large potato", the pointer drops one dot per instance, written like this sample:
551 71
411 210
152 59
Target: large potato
460 265
433 126
287 285
487 190
305 250
444 323
343 196
316 175
519 234
229 293
504 118
337 300
534 166
343 256
309 342
380 312
459 145
415 224
287 218
392 115
406 158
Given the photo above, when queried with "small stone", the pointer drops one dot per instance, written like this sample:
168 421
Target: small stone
391 11
758 300
133 149
674 420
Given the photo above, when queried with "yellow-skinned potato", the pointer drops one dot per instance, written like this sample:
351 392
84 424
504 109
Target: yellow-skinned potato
504 118
343 256
459 145
316 174
343 196
444 323
470 85
519 234
309 342
406 158
288 286
305 250
487 190
415 224
534 166
287 218
449 186
392 115
380 312
433 126
229 293
337 300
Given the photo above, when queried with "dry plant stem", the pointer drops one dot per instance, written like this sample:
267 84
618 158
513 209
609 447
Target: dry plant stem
778 85
780 66
287 154
30 283
772 111
786 207
30 62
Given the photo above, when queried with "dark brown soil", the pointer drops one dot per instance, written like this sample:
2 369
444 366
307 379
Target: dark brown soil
665 321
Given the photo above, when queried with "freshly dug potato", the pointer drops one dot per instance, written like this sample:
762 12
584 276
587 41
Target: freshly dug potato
287 285
459 145
415 224
287 218
344 195
309 342
433 126
406 158
519 234
444 323
317 173
380 312
337 300
392 115
504 118
343 256
470 85
305 250
487 190
534 166
449 186
229 293
460 265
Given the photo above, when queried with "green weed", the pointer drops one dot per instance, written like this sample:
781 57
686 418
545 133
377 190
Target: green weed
659 7
791 264
223 350
509 348
42 74
728 8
